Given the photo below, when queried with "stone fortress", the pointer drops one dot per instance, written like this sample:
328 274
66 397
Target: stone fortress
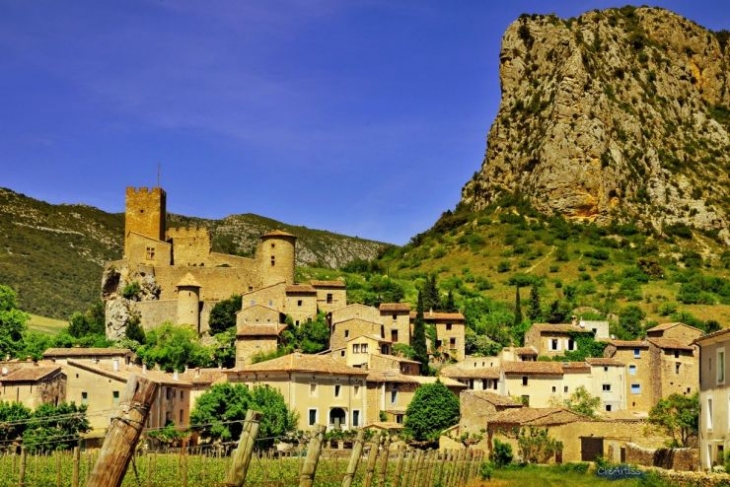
171 274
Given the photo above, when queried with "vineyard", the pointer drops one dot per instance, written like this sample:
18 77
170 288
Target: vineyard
193 467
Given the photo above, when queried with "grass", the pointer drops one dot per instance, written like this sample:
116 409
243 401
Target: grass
47 326
550 476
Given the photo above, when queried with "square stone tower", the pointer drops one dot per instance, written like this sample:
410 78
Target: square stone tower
145 214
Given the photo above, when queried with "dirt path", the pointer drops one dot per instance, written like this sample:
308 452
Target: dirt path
532 267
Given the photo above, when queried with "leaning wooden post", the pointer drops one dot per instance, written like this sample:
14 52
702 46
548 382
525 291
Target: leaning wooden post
123 433
354 459
314 450
372 460
384 462
399 468
77 464
242 456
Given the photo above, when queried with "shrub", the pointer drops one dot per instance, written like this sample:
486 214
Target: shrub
131 290
504 266
485 470
501 454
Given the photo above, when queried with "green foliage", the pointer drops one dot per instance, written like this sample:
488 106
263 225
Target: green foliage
630 322
134 331
373 289
403 350
220 411
534 311
90 322
309 337
582 402
362 266
12 323
480 345
433 409
501 454
223 314
677 416
586 346
173 348
536 446
431 295
13 421
131 291
485 470
55 427
418 339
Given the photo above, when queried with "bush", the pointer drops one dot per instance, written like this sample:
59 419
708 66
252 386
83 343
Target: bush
501 454
485 470
131 290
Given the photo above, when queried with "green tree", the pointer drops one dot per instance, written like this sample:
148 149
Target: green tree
418 339
450 305
134 331
223 314
174 347
55 427
501 454
14 418
431 295
309 337
518 307
433 409
219 413
677 416
535 445
630 325
582 402
534 311
12 323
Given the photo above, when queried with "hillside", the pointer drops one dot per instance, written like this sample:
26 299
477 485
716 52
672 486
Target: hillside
53 254
619 115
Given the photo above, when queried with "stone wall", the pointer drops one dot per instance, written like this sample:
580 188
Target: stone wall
217 283
145 213
345 330
666 458
254 345
271 297
191 246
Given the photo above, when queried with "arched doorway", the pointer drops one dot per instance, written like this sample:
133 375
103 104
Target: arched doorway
338 418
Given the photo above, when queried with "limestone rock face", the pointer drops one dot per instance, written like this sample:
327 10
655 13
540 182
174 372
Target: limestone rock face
617 115
120 308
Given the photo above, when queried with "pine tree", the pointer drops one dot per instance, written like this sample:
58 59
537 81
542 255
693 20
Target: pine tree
450 306
534 312
431 296
518 307
418 339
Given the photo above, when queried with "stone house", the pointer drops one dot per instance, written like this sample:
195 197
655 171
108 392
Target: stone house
32 383
96 355
331 295
608 382
256 339
450 334
319 388
343 331
359 349
714 393
535 384
301 303
474 378
639 374
396 319
551 340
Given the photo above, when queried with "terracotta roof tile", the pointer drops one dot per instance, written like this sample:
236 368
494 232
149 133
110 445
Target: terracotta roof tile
670 343
526 350
575 366
277 233
86 352
340 284
300 362
629 343
604 362
30 373
494 398
124 372
710 336
456 372
439 316
301 288
664 326
536 416
558 328
260 330
389 307
544 368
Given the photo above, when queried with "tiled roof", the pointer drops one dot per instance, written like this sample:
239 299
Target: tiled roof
494 398
598 361
86 352
278 233
396 358
575 366
300 362
671 343
397 377
536 416
188 281
328 283
457 372
438 316
377 338
714 334
124 372
394 307
558 328
629 343
30 373
301 288
386 425
260 330
526 350
203 376
663 326
544 368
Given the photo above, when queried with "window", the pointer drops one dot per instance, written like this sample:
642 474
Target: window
393 336
312 389
676 354
395 316
329 298
312 417
355 418
84 398
452 342
299 302
709 413
355 348
399 418
364 348
637 353
182 395
554 344
635 388
273 261
342 353
605 368
555 389
632 369
606 387
524 380
393 395
150 253
721 366
115 398
273 245
337 390
181 416
484 384
448 326
571 344
565 389
676 368
347 333
608 408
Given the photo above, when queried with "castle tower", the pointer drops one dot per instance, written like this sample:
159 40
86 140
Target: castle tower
276 257
145 214
188 302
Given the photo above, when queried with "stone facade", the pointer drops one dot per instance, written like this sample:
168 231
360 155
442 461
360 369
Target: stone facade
714 428
342 331
551 340
32 383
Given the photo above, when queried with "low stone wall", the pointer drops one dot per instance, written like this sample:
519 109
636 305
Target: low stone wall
695 479
668 458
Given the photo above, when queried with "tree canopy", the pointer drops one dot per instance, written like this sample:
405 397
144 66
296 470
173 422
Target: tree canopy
219 412
223 314
12 323
433 409
582 402
174 347
677 416
418 339
55 427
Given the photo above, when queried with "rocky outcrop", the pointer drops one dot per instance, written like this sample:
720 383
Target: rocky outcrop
121 289
620 114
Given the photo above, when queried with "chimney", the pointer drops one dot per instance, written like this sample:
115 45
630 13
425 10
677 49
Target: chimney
197 372
116 364
144 369
175 375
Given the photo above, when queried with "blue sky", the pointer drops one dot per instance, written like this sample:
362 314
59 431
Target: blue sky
363 117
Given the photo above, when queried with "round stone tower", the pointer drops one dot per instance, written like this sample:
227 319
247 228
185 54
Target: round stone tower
188 302
276 257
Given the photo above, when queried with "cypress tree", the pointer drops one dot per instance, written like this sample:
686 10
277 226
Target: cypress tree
418 339
431 296
534 312
450 305
518 307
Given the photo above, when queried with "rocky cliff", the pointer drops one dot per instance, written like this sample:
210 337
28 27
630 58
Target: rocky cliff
620 114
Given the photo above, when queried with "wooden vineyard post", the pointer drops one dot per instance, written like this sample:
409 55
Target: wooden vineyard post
76 465
23 464
314 450
372 460
399 468
242 456
124 433
354 460
384 462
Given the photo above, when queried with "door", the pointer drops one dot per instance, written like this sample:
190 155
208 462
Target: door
590 448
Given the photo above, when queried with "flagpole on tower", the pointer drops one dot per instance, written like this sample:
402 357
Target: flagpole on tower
159 168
